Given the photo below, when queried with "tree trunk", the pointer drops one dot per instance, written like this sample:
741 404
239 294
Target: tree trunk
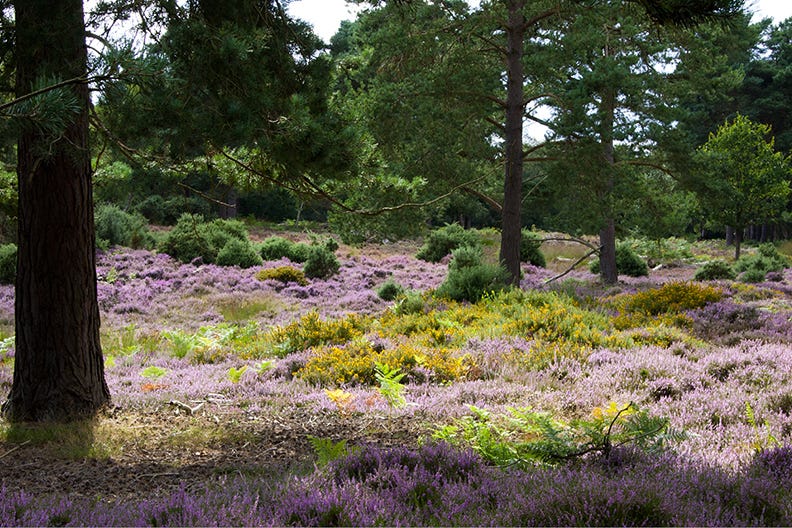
738 236
729 235
58 366
512 188
609 274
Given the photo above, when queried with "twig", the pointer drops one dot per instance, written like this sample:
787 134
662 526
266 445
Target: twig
573 266
185 407
14 449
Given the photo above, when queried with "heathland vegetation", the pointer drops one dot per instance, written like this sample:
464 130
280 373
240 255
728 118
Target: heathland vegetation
338 284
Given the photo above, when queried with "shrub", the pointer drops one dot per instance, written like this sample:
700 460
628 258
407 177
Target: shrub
674 297
389 290
442 241
115 227
715 270
526 437
193 238
753 268
276 248
321 263
411 302
8 263
152 207
238 253
356 364
468 278
283 274
310 331
627 263
530 243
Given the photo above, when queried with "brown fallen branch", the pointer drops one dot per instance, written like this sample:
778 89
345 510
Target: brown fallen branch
14 449
573 266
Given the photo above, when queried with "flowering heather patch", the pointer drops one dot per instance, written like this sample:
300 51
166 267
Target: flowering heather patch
233 349
438 485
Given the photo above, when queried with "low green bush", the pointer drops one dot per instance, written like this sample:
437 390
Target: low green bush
442 241
469 279
754 268
530 243
389 290
321 262
192 238
238 253
627 263
116 227
715 270
276 248
8 263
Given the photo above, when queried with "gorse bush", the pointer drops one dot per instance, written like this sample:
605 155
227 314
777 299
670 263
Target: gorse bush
310 331
627 262
357 362
193 238
674 297
469 279
530 243
115 227
283 274
275 248
8 263
442 241
715 270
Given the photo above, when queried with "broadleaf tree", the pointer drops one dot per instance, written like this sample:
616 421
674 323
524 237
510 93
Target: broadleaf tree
741 180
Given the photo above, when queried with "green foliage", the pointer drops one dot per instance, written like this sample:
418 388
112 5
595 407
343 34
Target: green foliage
321 262
8 263
275 248
389 290
740 178
754 268
530 242
627 262
153 372
193 238
115 227
240 253
525 437
326 450
469 279
390 386
181 343
442 241
411 302
167 210
715 270
283 274
668 251
763 438
235 374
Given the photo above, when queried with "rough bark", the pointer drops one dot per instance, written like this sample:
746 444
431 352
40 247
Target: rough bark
58 366
512 199
609 274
